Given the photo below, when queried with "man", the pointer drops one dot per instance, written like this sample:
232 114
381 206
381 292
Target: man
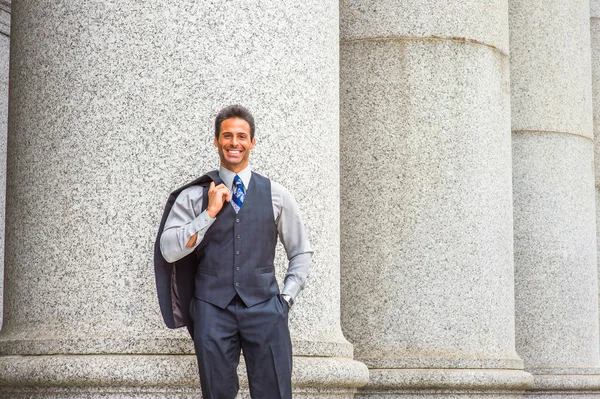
227 223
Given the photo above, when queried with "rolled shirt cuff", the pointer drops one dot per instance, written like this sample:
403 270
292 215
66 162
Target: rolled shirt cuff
291 288
201 224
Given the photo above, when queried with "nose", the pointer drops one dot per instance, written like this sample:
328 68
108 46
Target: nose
234 141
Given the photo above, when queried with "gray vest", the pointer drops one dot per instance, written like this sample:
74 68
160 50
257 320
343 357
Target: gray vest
237 252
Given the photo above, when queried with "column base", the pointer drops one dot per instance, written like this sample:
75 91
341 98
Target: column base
85 340
565 384
157 376
466 383
166 393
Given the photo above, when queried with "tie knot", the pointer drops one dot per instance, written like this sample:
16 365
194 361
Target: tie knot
237 181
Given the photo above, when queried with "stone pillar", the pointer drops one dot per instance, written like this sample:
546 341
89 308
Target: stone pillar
595 45
4 55
556 290
427 238
112 106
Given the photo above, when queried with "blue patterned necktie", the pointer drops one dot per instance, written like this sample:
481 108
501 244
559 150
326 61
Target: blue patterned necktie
238 194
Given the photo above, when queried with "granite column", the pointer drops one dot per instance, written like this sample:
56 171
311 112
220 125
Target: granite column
556 288
427 233
112 105
4 61
595 45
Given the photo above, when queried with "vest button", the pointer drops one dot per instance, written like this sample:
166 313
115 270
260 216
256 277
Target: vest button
237 220
237 268
237 284
239 236
237 252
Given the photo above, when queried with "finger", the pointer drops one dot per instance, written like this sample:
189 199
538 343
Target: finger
212 185
227 197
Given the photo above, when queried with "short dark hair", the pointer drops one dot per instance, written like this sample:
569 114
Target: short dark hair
234 111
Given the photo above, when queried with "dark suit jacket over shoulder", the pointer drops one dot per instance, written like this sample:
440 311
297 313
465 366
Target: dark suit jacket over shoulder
175 281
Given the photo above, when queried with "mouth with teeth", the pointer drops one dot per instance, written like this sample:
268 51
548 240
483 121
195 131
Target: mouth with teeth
233 152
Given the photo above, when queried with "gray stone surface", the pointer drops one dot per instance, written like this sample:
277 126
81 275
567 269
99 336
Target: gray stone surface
4 61
595 56
594 9
445 383
427 261
5 17
472 20
550 66
570 384
556 288
436 222
112 107
555 251
155 376
430 380
595 46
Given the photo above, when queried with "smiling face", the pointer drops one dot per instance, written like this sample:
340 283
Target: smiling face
234 144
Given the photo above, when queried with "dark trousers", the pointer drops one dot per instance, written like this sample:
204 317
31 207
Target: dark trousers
261 331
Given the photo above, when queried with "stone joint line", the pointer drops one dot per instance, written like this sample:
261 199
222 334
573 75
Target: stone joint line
425 38
521 131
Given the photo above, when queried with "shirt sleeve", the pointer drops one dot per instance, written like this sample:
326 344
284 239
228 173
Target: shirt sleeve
294 238
184 220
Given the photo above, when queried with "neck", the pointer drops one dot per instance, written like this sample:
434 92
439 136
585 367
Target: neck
235 169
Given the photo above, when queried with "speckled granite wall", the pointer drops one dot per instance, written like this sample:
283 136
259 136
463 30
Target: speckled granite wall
556 290
595 45
112 106
4 60
427 251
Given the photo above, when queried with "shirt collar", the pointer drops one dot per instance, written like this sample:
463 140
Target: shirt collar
227 176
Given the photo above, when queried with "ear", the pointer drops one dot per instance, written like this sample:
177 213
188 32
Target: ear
253 143
216 142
